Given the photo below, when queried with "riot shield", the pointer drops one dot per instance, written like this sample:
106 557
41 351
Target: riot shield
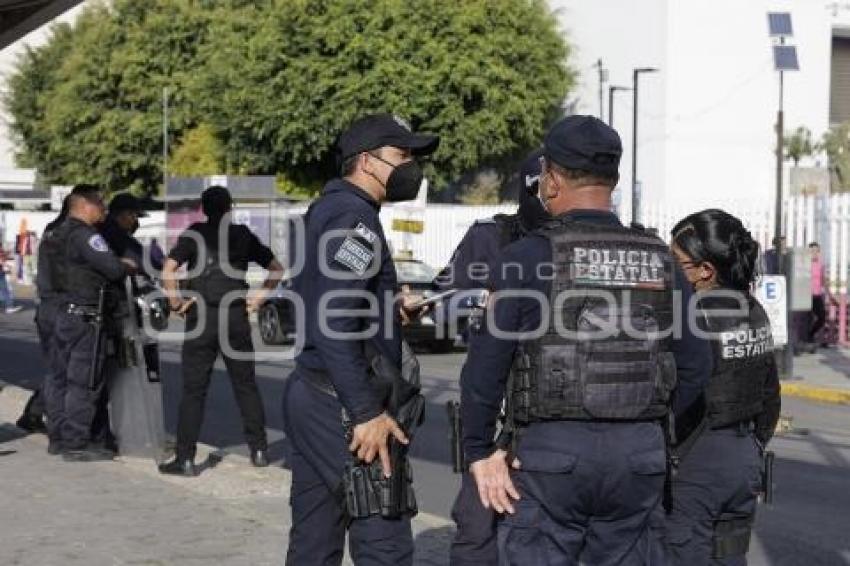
135 392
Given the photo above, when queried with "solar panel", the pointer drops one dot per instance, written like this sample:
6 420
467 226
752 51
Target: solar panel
779 24
785 58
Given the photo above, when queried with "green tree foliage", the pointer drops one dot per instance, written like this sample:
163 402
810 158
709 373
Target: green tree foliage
799 145
199 153
836 145
277 81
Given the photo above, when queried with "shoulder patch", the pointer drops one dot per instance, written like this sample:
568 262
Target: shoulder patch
354 255
98 244
364 232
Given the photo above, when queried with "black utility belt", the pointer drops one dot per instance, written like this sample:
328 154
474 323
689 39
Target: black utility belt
317 379
82 310
741 427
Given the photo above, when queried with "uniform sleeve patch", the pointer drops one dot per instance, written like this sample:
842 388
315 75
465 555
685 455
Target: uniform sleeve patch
98 244
354 255
364 232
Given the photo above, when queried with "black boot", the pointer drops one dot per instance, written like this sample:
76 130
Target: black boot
179 467
54 447
31 423
259 458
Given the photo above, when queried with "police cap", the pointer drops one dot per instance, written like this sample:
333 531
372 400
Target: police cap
379 130
126 201
586 143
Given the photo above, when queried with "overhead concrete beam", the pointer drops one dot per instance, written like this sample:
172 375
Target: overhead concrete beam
19 17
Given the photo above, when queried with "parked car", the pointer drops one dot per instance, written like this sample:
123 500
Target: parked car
277 314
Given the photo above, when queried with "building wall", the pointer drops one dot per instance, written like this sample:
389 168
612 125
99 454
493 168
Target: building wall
707 120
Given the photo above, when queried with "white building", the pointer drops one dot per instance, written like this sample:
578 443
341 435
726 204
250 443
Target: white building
706 132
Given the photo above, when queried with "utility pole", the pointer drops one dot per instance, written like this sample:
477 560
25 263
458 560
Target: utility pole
635 197
164 141
603 78
611 91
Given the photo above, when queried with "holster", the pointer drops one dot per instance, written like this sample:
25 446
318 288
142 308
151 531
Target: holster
368 492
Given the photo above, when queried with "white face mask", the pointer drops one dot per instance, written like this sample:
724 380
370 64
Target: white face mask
544 201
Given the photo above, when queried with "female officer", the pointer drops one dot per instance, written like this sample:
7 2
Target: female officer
721 437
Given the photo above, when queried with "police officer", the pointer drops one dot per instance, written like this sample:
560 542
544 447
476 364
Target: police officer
475 539
577 320
223 304
122 220
49 284
722 434
90 266
117 229
350 268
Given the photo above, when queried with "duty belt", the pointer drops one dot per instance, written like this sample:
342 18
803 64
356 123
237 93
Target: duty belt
317 379
82 310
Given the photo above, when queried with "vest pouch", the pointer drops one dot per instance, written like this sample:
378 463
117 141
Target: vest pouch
666 376
558 391
618 360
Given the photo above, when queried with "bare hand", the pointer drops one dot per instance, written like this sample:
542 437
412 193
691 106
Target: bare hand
255 300
408 311
370 439
493 478
179 306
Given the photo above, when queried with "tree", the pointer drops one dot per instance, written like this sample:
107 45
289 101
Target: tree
799 145
836 145
199 153
278 80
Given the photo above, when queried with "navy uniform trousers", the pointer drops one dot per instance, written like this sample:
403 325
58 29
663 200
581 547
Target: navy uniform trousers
45 322
312 421
475 541
69 399
720 475
590 494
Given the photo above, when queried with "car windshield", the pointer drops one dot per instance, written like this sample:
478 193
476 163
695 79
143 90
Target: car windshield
414 272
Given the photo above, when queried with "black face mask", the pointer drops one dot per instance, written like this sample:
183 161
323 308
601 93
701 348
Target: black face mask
404 182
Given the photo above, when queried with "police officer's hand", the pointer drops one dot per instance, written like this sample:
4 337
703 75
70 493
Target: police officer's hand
131 266
370 439
408 311
493 478
179 306
255 300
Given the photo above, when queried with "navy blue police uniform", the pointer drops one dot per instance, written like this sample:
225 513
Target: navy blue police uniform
90 266
222 298
722 437
50 284
469 268
347 265
586 424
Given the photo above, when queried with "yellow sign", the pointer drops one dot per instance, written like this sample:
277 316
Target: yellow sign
412 226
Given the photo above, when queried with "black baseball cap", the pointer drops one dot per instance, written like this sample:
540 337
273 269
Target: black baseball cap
126 201
379 130
586 143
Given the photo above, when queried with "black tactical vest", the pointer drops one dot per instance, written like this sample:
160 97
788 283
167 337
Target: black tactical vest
606 352
52 276
743 354
510 228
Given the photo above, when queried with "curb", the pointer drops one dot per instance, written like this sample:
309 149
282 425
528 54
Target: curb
820 394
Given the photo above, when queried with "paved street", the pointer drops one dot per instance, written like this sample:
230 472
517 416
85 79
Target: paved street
807 524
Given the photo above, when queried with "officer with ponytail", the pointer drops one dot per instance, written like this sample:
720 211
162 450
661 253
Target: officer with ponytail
721 437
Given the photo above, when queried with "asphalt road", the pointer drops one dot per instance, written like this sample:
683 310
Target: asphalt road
808 524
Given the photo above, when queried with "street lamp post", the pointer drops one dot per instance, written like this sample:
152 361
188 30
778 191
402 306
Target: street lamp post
635 75
611 91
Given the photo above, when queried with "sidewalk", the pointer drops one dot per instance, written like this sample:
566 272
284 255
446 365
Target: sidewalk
125 512
823 376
